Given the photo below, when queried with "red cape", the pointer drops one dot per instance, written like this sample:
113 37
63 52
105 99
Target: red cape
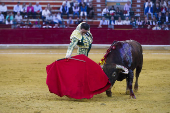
77 79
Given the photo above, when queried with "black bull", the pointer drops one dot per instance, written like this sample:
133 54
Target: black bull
123 58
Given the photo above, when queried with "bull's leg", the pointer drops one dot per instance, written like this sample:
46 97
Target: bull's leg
138 70
130 81
109 92
127 87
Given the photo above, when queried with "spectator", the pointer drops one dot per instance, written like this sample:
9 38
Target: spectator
83 10
56 26
1 18
27 24
49 19
154 21
112 21
163 26
139 21
18 18
88 3
9 18
160 19
168 9
37 24
103 22
72 4
81 3
76 10
126 22
30 10
163 3
156 10
112 11
64 10
157 1
69 22
163 10
127 8
146 21
119 21
24 10
147 4
49 7
67 3
106 12
45 12
167 18
166 27
78 21
57 18
90 11
149 10
118 12
37 10
17 8
156 27
3 9
133 22
144 6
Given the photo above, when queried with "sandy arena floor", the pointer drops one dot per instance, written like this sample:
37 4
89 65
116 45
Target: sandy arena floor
23 85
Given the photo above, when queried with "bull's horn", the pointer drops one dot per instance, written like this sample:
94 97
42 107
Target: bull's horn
126 71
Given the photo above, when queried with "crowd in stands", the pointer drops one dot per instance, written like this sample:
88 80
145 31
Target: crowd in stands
156 12
77 8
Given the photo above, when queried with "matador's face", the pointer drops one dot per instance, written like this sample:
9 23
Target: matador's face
83 31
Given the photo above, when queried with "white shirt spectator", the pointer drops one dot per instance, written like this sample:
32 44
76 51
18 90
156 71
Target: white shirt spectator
76 9
57 18
119 23
126 22
67 3
37 8
49 17
1 17
105 11
70 22
127 7
147 4
3 8
103 22
45 12
139 22
18 18
17 8
24 9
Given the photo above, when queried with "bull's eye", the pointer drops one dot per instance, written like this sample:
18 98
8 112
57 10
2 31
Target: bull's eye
114 74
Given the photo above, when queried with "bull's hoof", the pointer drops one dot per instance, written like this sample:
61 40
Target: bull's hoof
109 93
127 92
132 96
136 88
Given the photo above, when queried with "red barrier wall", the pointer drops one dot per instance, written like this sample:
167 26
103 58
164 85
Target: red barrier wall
101 36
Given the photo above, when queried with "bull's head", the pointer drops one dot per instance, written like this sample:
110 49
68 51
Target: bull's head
113 71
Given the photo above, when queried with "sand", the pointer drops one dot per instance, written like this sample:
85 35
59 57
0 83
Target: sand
23 86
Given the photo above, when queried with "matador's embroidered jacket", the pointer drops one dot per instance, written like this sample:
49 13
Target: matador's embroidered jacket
84 42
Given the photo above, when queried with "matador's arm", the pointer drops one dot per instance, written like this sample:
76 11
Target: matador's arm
73 43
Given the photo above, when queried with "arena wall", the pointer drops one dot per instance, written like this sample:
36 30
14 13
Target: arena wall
101 36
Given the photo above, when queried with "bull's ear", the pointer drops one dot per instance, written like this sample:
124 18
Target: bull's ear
124 69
